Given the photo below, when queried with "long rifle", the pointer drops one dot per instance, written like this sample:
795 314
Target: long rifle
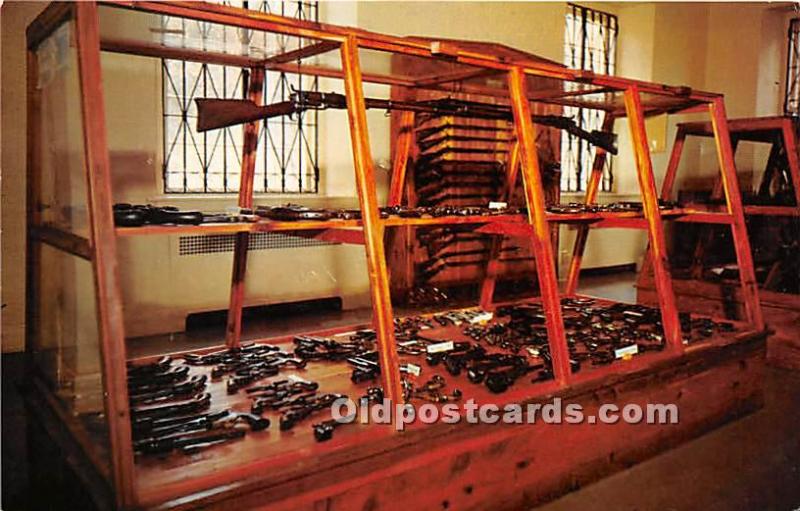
221 113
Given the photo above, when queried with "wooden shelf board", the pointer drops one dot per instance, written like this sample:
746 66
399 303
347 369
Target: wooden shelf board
286 453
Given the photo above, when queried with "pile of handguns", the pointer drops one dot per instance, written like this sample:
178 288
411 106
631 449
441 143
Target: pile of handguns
498 371
323 431
613 207
320 348
169 411
704 327
296 399
296 212
246 364
432 391
136 215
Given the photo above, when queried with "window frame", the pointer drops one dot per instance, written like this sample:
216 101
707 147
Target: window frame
574 151
287 161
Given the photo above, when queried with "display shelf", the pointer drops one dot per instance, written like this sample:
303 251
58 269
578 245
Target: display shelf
275 449
604 219
513 78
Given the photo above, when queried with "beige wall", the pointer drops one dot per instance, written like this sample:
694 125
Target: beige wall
13 18
735 49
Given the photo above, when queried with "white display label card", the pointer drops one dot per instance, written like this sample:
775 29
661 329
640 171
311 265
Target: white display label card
440 347
481 318
413 369
626 351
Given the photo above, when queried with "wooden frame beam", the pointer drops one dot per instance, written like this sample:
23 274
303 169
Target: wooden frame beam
733 197
403 145
468 74
582 234
300 53
233 330
373 228
108 295
644 168
47 21
493 266
63 240
541 240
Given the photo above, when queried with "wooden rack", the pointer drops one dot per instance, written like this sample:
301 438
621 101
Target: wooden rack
481 68
781 310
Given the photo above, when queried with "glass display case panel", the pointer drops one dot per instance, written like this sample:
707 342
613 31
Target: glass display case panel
160 32
65 343
62 200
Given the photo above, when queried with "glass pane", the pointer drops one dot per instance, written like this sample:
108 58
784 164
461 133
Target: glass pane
65 341
64 336
62 199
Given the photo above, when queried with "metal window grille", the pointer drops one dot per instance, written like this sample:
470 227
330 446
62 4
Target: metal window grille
210 162
791 102
590 42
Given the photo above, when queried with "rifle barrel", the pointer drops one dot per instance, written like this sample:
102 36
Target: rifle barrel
221 113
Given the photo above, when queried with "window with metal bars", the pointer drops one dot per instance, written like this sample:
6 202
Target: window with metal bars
791 101
590 42
210 162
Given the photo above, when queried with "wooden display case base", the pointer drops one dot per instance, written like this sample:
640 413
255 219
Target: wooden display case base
724 300
465 466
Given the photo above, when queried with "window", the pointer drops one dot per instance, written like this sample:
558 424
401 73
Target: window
210 162
791 102
590 42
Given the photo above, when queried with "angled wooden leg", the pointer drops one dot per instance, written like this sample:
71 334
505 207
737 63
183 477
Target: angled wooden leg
706 238
592 189
233 331
541 240
790 144
655 228
733 197
104 252
773 161
493 264
402 150
373 228
666 190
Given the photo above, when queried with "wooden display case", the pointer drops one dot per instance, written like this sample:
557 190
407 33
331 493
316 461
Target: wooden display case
722 297
76 311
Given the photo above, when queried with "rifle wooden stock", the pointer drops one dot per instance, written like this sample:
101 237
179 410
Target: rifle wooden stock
213 114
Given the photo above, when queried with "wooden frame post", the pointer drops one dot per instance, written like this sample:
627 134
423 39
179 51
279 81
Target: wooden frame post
733 198
405 139
104 251
655 228
666 186
34 171
373 228
233 331
790 146
582 234
493 265
541 240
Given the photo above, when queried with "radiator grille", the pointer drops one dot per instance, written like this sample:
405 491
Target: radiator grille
217 243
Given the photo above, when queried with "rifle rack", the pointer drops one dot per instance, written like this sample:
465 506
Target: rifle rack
81 231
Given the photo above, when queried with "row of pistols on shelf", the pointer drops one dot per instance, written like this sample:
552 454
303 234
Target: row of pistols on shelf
171 403
137 215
